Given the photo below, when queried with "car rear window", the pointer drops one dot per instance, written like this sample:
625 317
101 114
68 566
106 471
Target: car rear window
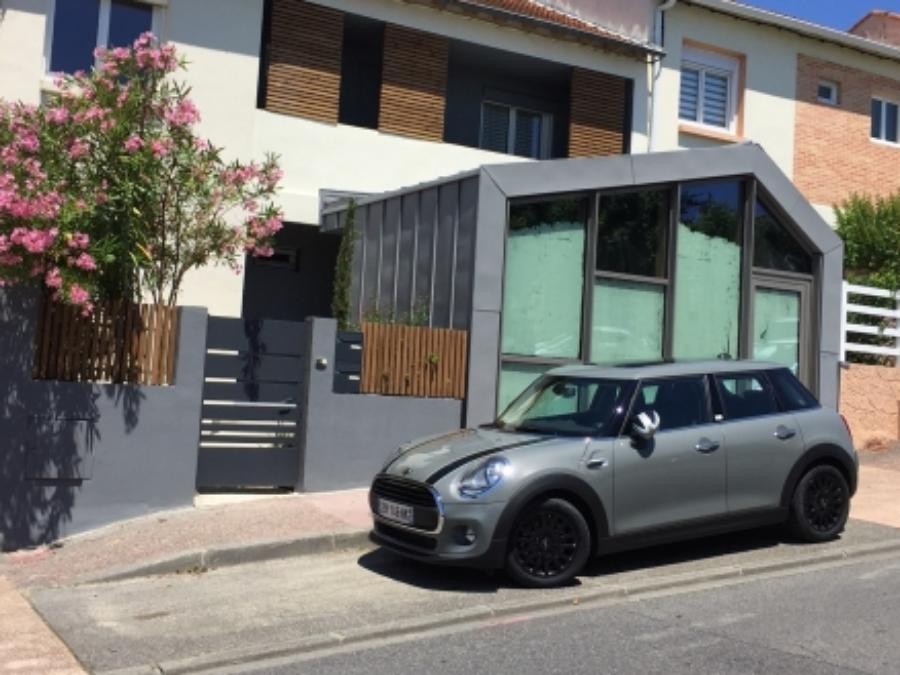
745 395
791 393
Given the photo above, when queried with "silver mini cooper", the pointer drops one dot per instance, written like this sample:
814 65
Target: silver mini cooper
590 460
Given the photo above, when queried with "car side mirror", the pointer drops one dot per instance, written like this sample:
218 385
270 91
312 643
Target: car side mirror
645 425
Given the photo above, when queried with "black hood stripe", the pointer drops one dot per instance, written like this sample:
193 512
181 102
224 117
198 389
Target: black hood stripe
455 464
443 437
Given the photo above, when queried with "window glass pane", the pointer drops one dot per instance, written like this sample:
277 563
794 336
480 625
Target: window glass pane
715 100
528 134
127 20
515 378
494 127
74 35
631 235
627 321
876 118
774 247
745 395
708 270
679 402
544 278
890 122
791 394
690 91
361 60
826 92
776 326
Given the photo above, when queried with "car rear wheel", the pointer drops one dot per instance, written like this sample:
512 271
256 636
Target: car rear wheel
550 543
821 504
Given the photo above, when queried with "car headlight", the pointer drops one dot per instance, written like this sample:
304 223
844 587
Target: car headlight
484 477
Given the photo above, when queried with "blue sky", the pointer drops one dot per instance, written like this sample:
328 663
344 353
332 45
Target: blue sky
840 14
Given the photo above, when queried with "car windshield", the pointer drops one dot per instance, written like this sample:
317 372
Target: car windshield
569 406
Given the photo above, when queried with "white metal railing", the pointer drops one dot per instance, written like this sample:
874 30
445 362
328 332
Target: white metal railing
891 330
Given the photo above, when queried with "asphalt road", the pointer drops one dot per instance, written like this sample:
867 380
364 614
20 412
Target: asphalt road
311 604
842 620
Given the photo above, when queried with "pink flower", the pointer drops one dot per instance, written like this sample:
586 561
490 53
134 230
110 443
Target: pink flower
78 295
53 278
78 240
160 148
201 144
133 143
78 148
183 114
87 308
58 115
85 262
28 141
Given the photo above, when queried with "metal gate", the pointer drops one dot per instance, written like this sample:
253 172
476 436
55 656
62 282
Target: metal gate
254 381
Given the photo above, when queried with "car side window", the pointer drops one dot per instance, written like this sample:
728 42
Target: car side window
745 395
564 398
679 401
792 395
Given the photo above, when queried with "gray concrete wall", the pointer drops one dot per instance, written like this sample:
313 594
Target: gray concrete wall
348 436
74 456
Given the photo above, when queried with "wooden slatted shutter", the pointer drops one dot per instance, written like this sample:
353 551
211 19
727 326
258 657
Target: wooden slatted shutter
414 83
304 60
598 117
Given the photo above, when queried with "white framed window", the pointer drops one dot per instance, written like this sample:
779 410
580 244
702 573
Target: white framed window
884 120
827 92
515 131
76 27
709 93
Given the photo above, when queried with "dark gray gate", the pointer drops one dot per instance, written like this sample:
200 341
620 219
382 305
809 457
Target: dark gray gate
254 384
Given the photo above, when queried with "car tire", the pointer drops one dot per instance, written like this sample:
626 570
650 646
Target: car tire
820 505
549 544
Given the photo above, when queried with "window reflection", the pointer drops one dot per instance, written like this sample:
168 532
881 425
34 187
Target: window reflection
774 247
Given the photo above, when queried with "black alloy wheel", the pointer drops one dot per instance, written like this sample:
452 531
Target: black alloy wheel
549 545
821 504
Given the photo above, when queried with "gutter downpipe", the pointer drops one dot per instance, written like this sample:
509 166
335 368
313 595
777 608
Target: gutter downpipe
656 68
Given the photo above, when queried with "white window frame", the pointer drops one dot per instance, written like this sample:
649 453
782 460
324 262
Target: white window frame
704 62
546 128
102 28
833 86
882 132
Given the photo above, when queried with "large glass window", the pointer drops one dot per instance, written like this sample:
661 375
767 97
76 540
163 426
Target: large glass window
776 248
515 378
631 233
544 279
627 321
515 131
708 270
776 327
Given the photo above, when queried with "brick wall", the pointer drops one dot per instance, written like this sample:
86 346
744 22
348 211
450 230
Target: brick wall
870 400
834 155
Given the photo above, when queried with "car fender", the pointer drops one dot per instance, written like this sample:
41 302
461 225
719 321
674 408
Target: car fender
816 454
550 484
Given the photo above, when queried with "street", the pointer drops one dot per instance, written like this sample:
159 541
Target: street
749 602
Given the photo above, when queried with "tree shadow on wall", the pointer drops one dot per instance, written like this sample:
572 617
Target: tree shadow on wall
49 431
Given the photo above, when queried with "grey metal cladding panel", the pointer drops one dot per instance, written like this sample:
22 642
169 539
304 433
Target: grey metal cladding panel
254 368
357 271
425 246
490 242
698 164
561 175
406 259
448 206
228 411
265 336
227 467
252 392
830 309
390 231
465 252
484 350
371 277
329 222
829 380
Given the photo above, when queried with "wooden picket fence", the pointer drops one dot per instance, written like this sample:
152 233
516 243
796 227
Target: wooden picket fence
120 342
403 360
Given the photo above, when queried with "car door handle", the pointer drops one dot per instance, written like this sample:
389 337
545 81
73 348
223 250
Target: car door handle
596 462
783 433
706 445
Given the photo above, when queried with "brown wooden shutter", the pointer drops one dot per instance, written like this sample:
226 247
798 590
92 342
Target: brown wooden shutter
598 114
304 60
413 83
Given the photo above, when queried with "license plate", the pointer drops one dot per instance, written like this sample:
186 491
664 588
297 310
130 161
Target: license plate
394 511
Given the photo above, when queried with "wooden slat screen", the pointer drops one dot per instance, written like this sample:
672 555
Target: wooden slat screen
598 114
119 342
304 60
413 361
414 83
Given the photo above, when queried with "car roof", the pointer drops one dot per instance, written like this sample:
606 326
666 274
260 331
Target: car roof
638 371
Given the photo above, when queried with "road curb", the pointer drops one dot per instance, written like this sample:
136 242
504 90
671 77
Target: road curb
214 557
584 596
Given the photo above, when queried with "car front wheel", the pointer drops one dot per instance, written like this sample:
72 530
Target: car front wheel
550 543
821 504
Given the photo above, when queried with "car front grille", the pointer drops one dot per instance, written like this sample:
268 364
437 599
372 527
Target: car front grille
426 511
406 537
